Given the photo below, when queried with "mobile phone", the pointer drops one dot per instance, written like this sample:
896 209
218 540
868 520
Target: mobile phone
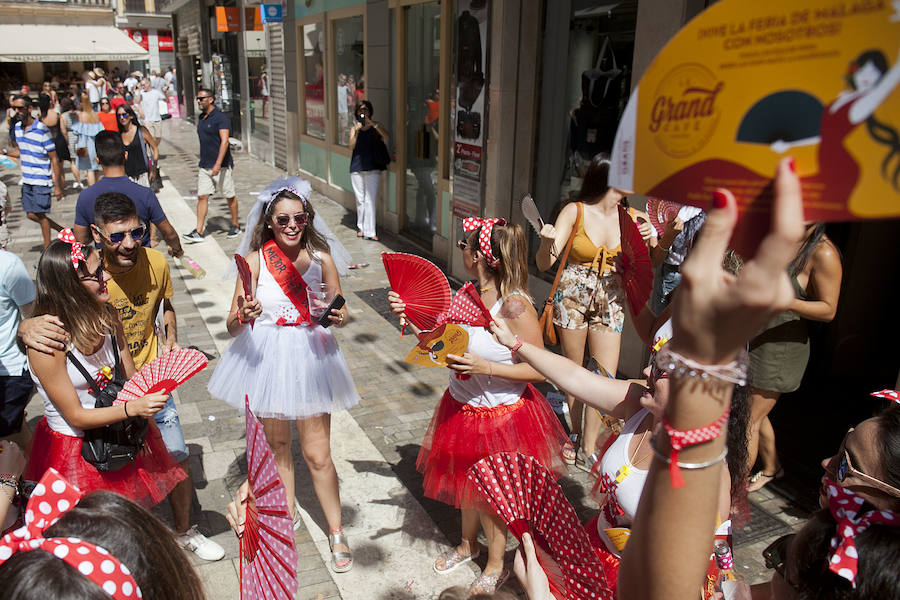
361 118
338 302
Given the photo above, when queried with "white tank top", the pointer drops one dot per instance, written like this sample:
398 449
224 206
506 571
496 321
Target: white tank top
628 491
475 390
104 357
275 303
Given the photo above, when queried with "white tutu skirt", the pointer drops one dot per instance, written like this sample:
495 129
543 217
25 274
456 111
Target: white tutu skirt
288 373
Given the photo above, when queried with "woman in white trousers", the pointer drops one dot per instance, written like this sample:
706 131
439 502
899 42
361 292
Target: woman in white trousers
369 158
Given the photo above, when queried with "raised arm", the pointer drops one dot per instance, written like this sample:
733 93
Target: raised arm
863 108
243 309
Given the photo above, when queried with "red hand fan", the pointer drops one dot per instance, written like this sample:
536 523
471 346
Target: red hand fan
661 212
243 270
421 284
164 374
634 262
268 554
467 308
528 499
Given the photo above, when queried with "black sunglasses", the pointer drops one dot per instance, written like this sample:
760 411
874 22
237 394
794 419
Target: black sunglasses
462 244
137 234
97 275
285 220
202 98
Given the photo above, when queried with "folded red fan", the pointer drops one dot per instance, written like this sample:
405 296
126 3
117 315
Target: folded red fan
466 308
246 275
164 374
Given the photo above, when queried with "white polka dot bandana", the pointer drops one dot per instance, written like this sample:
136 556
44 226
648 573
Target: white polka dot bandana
892 395
51 498
845 509
484 236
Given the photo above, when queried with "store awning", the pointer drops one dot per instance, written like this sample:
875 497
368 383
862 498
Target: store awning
63 43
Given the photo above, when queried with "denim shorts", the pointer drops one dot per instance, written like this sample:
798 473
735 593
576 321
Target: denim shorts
36 198
170 429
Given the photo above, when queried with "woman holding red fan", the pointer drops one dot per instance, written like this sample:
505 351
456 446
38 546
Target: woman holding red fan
489 406
283 360
589 303
71 284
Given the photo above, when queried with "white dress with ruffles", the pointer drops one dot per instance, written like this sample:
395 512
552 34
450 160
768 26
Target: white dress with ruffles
288 371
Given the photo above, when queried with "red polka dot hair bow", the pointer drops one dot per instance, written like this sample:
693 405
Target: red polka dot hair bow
845 509
484 237
888 394
68 236
51 498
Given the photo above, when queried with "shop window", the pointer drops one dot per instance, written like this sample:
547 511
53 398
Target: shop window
314 79
349 77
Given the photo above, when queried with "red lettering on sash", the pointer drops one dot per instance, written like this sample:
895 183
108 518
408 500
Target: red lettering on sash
288 278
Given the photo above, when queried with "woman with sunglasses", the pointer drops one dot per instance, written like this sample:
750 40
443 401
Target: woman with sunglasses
489 405
107 116
283 359
140 146
71 284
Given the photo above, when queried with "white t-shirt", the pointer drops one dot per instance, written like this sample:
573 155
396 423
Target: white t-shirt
16 289
130 84
93 91
150 104
342 99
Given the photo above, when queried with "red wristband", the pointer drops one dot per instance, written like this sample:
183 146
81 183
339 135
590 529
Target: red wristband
681 439
517 345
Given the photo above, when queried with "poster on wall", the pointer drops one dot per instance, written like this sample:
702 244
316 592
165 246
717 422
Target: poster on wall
139 37
471 113
747 83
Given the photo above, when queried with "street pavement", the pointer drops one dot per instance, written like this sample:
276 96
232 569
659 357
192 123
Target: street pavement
393 529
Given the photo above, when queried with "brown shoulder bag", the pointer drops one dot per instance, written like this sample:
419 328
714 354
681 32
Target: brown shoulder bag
546 320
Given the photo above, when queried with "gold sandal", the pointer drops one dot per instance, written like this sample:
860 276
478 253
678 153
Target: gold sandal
335 538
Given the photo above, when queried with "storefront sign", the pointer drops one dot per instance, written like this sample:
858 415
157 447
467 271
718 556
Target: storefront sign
747 83
471 116
228 19
271 13
139 37
164 41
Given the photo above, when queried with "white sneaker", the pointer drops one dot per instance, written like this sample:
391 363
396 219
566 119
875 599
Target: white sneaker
200 545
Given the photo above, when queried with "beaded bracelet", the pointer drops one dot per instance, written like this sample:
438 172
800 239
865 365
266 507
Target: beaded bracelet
678 366
9 480
687 465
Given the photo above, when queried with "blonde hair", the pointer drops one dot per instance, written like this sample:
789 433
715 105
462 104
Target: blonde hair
88 110
508 246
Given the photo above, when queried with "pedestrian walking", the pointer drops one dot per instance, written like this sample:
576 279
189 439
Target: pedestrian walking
41 171
369 158
68 118
140 145
216 164
147 101
86 128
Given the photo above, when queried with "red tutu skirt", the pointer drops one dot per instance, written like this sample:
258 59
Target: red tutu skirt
460 435
609 560
147 481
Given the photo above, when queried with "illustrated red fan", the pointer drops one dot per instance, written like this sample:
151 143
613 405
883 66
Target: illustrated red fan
243 270
422 286
467 308
636 270
661 212
163 374
268 555
528 499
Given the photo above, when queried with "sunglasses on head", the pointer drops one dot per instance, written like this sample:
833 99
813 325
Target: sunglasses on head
285 220
137 234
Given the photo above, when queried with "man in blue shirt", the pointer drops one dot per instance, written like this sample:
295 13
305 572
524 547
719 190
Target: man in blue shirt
41 172
16 297
213 129
111 156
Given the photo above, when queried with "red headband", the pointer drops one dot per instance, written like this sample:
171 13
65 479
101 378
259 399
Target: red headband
888 394
51 498
68 236
484 238
845 509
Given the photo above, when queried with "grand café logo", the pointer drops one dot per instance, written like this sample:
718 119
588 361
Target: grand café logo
685 110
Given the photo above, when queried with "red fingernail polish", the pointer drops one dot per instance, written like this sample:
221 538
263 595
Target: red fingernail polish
792 163
720 200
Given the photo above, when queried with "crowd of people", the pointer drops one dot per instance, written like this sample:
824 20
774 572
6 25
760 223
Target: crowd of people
673 456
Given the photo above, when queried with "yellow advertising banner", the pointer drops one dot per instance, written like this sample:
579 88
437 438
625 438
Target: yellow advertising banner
435 345
747 83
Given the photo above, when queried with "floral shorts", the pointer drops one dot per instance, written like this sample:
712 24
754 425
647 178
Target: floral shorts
584 298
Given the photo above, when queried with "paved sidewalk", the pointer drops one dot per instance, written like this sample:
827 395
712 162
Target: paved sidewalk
393 530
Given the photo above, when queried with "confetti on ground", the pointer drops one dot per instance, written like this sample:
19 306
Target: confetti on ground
358 265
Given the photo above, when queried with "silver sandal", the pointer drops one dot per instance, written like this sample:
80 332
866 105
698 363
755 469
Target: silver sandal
488 584
333 540
452 557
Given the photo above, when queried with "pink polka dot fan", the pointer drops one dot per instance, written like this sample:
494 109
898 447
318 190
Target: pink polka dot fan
528 499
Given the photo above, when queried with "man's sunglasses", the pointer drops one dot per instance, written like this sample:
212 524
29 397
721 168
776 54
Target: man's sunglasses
846 469
137 234
285 220
199 98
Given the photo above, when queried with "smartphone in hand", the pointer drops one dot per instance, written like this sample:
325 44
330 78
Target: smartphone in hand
338 302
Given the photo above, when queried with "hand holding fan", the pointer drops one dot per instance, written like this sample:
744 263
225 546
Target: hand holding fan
422 286
636 270
661 213
467 308
528 499
268 554
246 276
163 374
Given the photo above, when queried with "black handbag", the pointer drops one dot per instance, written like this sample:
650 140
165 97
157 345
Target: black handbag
113 446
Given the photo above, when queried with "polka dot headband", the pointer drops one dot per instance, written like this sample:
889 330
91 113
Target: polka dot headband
68 236
484 237
51 498
845 506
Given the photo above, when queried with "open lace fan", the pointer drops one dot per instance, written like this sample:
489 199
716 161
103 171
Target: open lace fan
636 271
528 499
467 308
164 374
422 286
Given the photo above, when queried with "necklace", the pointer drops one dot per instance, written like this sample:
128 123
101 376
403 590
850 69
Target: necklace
485 289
